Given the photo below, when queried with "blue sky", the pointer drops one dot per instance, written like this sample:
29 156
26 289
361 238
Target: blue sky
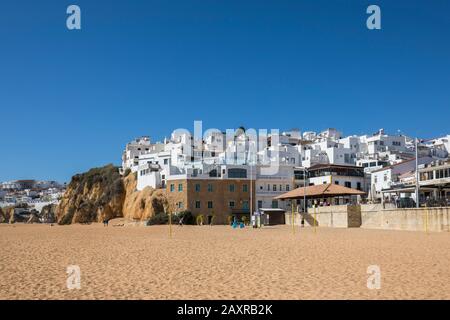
70 100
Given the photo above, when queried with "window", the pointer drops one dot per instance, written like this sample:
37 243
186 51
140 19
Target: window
274 204
214 173
347 158
281 187
197 187
197 204
231 187
180 187
245 204
287 187
231 204
163 176
259 204
336 182
274 187
166 161
348 184
358 185
210 204
245 188
210 187
172 187
180 205
237 173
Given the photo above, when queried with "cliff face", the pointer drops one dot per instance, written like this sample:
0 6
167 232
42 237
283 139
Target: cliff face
92 197
141 205
101 193
5 214
9 215
48 213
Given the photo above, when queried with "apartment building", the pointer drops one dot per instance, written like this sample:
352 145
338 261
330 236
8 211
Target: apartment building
269 186
436 175
386 177
347 176
218 194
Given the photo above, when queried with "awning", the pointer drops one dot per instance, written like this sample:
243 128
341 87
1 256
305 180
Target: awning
320 191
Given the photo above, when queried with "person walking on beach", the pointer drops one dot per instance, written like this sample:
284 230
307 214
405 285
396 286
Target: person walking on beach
105 222
180 223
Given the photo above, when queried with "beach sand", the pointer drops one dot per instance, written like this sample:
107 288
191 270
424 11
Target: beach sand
221 263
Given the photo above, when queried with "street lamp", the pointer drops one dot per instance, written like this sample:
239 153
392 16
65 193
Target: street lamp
305 174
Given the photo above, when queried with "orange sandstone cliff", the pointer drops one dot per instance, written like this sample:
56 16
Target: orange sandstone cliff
102 193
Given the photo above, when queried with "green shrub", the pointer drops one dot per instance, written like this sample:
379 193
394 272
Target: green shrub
157 219
188 217
199 220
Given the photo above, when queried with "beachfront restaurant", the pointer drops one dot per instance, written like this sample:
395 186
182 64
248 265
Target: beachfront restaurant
329 205
321 195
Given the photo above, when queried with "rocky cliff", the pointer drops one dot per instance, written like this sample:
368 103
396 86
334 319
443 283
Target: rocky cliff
92 197
6 213
102 193
141 205
48 213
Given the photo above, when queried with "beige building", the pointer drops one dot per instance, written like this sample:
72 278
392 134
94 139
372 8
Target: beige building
216 199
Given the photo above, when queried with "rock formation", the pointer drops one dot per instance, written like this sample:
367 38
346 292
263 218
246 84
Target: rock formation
5 214
92 197
101 193
141 205
33 217
48 213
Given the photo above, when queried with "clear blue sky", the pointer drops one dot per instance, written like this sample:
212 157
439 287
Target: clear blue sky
70 100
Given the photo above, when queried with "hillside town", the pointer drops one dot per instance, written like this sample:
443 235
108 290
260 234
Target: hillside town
242 174
32 193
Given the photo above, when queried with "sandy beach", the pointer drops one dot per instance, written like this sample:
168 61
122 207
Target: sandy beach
221 263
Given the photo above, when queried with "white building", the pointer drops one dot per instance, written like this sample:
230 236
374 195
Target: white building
344 175
358 162
386 177
269 186
133 149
